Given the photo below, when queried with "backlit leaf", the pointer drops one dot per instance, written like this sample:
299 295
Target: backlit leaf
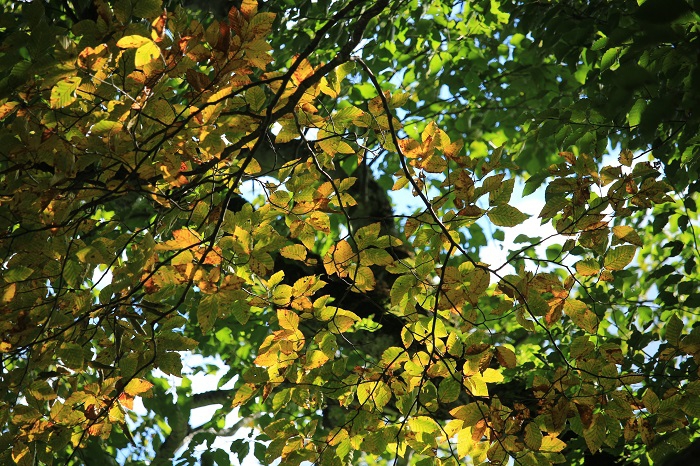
506 216
288 319
552 444
618 258
132 42
673 328
137 387
628 234
588 267
146 54
64 93
294 252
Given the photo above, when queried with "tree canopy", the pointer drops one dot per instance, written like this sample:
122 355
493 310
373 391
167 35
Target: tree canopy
309 194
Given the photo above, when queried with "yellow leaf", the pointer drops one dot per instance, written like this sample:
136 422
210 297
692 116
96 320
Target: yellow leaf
338 258
492 376
314 359
294 251
132 42
320 222
477 385
7 108
137 387
9 292
464 442
288 319
147 53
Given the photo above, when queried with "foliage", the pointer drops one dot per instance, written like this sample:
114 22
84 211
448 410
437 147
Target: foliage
178 183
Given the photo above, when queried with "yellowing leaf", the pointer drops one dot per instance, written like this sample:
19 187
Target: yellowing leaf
64 93
626 156
471 413
423 424
506 216
256 98
377 392
587 267
243 394
320 222
15 274
618 258
627 234
137 387
579 313
552 444
477 385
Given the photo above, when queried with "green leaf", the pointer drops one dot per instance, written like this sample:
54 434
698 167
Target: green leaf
673 329
506 216
533 436
609 58
207 312
595 434
400 288
17 273
634 117
471 413
147 8
449 390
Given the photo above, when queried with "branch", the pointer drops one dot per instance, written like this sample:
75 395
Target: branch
213 397
225 432
181 432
